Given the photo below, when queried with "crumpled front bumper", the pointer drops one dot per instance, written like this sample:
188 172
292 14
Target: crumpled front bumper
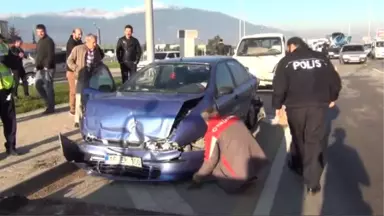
156 166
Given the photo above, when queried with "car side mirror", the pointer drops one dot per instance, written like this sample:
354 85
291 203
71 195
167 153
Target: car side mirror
225 91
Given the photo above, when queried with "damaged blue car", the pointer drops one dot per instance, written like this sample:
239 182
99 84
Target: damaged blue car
150 128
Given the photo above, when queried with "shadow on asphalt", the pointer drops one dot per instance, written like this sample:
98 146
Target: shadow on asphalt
209 199
38 115
291 195
27 148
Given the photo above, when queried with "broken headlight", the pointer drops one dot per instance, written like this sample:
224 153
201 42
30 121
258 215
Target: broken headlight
161 145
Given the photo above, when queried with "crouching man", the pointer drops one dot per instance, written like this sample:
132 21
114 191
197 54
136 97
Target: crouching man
232 156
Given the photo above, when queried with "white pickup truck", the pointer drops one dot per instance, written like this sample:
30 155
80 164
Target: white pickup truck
260 53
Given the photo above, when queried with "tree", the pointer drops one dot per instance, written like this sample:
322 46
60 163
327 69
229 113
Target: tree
212 43
13 33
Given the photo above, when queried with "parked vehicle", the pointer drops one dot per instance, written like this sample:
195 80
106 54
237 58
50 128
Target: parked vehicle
260 53
352 53
378 49
334 52
150 129
158 56
29 66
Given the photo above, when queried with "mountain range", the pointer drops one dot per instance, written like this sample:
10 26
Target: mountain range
167 21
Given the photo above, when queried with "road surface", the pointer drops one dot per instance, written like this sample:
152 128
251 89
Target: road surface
353 179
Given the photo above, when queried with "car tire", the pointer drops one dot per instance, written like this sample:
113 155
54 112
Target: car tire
256 112
31 78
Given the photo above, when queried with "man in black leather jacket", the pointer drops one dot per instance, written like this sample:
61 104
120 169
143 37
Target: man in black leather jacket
128 53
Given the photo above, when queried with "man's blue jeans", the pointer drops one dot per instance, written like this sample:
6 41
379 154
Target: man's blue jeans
44 85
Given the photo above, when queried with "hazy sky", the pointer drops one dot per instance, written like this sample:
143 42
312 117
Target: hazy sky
285 14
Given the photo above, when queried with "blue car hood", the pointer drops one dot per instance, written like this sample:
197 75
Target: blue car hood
133 118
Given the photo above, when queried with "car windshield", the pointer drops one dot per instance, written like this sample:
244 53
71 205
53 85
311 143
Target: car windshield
353 48
160 56
260 46
170 78
380 44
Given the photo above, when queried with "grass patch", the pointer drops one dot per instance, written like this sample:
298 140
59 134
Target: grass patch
113 64
34 102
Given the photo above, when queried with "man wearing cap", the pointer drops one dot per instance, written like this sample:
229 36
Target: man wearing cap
307 84
7 104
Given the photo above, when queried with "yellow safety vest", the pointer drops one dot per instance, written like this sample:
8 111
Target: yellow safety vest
6 77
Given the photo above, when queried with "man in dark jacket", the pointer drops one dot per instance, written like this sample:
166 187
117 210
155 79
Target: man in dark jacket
232 156
307 84
220 49
17 67
74 40
45 68
128 53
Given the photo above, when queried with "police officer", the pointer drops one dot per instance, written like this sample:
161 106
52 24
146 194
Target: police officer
307 83
128 53
7 105
220 48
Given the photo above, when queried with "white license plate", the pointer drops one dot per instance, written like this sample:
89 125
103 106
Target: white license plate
123 160
354 59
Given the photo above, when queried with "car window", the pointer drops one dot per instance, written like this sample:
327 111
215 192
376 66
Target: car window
177 55
182 78
102 80
171 55
223 77
239 72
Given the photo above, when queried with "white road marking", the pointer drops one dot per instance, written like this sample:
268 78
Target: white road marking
377 70
267 196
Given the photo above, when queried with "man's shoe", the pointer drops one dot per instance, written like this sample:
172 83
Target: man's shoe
48 111
295 169
77 125
314 190
13 152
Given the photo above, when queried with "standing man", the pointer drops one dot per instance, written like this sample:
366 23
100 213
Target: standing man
307 83
17 67
45 67
74 40
7 104
220 49
82 60
128 53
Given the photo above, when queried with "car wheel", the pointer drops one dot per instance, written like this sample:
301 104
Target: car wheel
31 78
256 112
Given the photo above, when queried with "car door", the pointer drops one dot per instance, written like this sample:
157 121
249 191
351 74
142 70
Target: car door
226 104
100 82
244 86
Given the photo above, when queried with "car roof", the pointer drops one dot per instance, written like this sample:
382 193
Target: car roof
262 35
197 59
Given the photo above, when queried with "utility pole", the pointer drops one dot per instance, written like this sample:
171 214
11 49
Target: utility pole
98 33
149 30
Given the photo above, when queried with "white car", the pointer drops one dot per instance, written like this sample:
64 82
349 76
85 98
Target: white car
260 53
158 56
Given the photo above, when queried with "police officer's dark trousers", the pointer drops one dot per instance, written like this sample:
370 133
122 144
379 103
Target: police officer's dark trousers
308 129
127 70
8 117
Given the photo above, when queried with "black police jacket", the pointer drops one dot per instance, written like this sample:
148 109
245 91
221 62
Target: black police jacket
305 78
128 50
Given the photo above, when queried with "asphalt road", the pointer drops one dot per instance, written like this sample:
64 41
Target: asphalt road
353 179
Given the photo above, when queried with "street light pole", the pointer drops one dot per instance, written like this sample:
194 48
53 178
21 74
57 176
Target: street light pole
149 30
98 33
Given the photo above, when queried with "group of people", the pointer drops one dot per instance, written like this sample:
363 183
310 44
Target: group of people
305 83
82 58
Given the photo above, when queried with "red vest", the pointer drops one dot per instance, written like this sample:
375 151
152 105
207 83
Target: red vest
215 127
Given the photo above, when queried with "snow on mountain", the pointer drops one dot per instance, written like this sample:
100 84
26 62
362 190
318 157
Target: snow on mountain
95 13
